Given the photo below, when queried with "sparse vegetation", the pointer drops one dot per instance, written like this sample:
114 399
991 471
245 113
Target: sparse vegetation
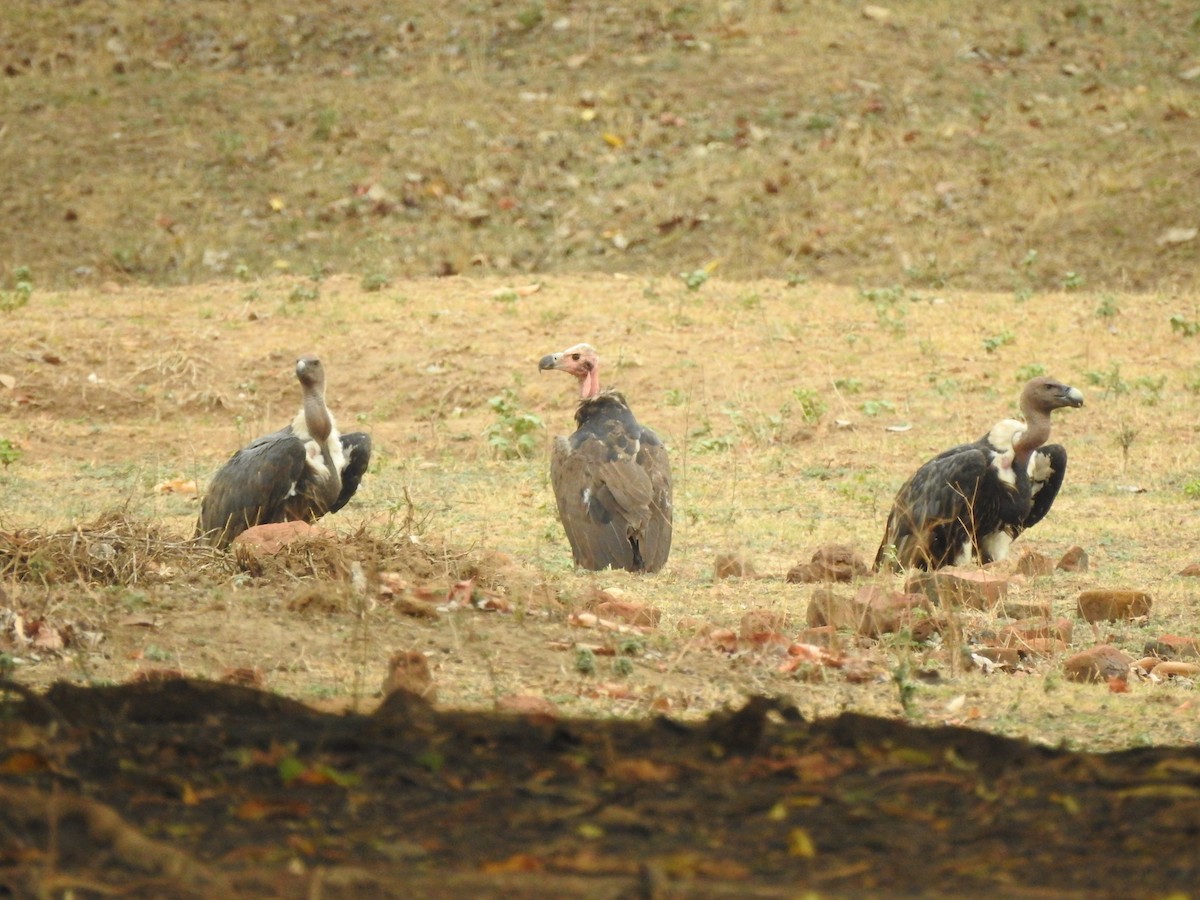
516 433
22 290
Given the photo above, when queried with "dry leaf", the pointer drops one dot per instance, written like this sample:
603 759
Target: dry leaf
177 486
8 381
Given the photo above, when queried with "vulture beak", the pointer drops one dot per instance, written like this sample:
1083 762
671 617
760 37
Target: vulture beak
1072 397
549 361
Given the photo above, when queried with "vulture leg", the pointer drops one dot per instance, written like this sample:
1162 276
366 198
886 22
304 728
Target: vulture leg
357 449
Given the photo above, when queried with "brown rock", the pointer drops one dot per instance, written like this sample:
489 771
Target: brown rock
832 562
408 670
1113 606
272 538
724 639
826 607
527 705
973 588
888 611
1009 657
761 621
1190 571
628 611
821 636
1014 608
692 626
731 565
1018 633
1174 667
1074 560
246 676
1034 564
1173 646
1097 664
1042 647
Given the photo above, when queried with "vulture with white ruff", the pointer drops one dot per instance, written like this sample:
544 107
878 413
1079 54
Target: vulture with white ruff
611 478
975 499
300 472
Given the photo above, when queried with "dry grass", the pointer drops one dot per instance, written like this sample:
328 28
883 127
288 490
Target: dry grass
746 380
1013 147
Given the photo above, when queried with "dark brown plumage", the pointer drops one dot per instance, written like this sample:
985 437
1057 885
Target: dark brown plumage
300 472
611 478
975 499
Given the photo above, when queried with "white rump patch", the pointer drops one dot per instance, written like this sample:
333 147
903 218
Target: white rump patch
996 544
963 557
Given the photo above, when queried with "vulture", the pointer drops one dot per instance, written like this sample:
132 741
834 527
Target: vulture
300 472
975 499
612 479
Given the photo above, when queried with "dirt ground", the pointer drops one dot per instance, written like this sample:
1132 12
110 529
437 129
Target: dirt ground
792 413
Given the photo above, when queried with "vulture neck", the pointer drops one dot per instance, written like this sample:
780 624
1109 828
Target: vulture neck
1036 433
589 384
317 420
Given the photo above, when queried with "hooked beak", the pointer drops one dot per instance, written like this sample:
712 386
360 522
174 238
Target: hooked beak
1073 397
549 361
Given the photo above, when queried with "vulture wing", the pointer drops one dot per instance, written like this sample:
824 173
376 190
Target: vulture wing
610 502
252 487
1047 468
937 510
357 449
656 541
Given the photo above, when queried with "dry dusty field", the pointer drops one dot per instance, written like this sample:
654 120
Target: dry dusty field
775 400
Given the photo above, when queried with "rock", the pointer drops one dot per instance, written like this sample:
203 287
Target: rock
1018 633
876 13
887 611
821 636
832 562
527 705
724 639
1113 606
1013 608
1097 664
1042 647
1034 564
246 676
731 565
1009 657
694 626
628 611
1074 560
1175 667
271 539
1173 646
973 588
408 670
827 608
759 622
1190 571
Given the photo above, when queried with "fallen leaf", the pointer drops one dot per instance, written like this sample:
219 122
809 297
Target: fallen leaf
8 381
177 486
522 291
518 862
800 844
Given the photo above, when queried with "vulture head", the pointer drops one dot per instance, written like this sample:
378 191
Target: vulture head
580 361
1039 398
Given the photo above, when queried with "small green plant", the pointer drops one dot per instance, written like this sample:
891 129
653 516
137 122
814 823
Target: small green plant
514 433
1185 327
695 279
622 666
1192 489
996 341
873 408
20 293
304 293
889 312
1150 388
1110 380
675 397
585 661
9 453
795 279
1107 308
1030 370
1125 437
750 302
1072 281
375 281
721 444
848 385
812 406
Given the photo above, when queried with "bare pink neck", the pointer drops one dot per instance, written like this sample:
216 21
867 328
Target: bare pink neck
589 384
316 414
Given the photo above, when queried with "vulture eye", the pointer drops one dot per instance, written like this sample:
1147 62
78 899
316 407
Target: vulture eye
575 356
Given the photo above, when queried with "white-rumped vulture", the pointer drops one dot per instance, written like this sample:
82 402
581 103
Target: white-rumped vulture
300 472
975 499
611 478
